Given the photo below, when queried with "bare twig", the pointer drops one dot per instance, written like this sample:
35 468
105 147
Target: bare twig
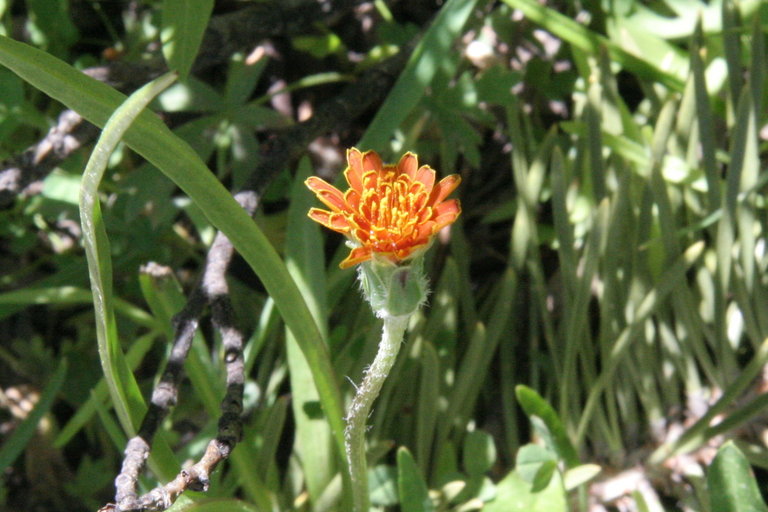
213 291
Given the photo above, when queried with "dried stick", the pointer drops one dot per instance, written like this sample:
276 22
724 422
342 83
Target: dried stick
213 291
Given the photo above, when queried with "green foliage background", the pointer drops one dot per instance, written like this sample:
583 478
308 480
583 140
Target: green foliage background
597 308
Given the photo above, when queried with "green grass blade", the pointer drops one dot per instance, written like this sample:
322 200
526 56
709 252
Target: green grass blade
414 495
306 263
68 295
428 397
732 47
670 278
706 124
129 408
125 393
181 32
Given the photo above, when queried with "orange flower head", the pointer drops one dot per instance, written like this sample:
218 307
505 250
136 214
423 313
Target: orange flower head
391 212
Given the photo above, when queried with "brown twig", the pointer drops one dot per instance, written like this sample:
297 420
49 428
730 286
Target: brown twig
214 292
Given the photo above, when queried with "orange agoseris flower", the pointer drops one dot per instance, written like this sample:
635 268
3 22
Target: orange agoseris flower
390 212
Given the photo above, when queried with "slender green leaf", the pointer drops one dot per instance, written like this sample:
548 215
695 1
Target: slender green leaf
126 396
306 263
181 32
427 407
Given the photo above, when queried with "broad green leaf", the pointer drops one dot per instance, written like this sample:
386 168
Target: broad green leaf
181 33
534 405
414 495
513 494
529 460
543 475
732 485
479 452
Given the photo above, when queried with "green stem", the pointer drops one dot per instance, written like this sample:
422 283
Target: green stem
357 415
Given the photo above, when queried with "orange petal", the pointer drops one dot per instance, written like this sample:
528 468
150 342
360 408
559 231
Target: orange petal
408 164
425 231
356 255
334 221
354 170
426 175
352 198
327 193
372 161
446 213
444 188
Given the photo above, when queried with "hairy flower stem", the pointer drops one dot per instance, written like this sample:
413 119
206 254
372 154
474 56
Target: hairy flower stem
357 415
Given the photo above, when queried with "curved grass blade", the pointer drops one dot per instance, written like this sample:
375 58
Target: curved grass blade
125 392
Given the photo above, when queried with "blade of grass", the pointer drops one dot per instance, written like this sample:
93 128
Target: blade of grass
75 295
705 121
306 263
125 393
427 407
732 46
181 32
